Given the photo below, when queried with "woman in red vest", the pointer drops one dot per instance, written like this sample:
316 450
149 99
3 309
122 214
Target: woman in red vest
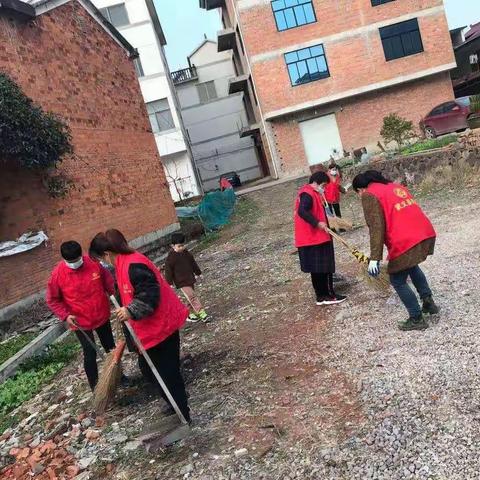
152 309
315 245
77 293
395 219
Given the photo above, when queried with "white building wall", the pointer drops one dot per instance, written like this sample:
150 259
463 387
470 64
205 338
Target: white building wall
156 85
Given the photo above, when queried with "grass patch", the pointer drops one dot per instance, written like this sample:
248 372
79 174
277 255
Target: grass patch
33 374
10 347
246 211
429 144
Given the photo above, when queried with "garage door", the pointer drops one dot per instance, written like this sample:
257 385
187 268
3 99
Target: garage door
321 138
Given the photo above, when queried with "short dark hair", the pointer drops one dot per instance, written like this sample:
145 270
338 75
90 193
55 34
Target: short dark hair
70 250
98 245
178 238
363 180
319 177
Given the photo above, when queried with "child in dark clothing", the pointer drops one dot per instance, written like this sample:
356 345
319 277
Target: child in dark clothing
181 270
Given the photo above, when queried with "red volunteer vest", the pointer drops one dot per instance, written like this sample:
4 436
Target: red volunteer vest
83 293
305 234
332 189
170 314
406 224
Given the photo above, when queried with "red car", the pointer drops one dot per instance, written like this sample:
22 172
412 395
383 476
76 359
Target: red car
446 118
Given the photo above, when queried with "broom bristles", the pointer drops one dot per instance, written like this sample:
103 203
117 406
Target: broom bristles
340 223
108 379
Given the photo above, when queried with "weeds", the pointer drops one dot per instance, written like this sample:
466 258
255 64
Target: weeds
13 345
33 374
429 144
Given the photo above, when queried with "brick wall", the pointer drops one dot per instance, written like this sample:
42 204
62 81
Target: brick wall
353 63
333 16
360 119
68 64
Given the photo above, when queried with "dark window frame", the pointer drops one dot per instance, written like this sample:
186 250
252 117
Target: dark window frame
296 62
377 3
403 37
293 10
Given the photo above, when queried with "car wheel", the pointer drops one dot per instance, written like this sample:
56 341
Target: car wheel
430 132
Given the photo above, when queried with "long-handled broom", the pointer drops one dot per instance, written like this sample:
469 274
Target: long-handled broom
336 223
381 281
179 431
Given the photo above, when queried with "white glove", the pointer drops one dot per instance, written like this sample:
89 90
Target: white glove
347 187
374 268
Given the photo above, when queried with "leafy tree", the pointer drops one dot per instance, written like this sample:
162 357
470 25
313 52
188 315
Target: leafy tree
396 128
28 135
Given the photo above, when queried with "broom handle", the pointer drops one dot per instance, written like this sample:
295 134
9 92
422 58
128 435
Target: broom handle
152 367
339 239
327 206
88 339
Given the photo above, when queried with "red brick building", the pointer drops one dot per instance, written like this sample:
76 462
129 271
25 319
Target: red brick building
326 72
70 61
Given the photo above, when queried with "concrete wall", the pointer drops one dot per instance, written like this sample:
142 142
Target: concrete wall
118 176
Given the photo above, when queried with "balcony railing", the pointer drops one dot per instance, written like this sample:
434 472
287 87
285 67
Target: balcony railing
184 75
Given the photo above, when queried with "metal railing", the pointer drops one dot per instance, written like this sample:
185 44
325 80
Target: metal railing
184 75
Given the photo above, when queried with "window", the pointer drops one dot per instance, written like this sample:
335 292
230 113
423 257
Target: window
160 116
376 3
401 40
138 67
293 13
116 15
206 91
307 65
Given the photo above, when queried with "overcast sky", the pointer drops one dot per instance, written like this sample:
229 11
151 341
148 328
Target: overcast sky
185 24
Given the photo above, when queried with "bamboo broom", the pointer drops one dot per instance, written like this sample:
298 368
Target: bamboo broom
336 223
382 281
109 377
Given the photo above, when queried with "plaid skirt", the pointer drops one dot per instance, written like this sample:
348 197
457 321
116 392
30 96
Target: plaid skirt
317 258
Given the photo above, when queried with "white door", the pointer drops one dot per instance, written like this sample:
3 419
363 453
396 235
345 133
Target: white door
321 139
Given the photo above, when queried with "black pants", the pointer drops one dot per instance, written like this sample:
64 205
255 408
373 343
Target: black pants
335 207
323 285
105 335
166 358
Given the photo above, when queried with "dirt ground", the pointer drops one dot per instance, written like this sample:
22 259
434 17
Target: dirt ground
310 392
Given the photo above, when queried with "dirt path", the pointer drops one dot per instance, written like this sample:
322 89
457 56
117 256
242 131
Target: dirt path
311 392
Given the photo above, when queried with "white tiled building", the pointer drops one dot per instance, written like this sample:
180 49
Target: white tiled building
138 23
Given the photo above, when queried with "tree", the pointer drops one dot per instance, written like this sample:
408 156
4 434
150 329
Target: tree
396 128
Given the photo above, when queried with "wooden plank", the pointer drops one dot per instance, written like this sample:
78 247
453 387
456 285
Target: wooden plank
8 368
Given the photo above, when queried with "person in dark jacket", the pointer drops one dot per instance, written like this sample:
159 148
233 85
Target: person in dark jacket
314 243
153 311
181 270
395 219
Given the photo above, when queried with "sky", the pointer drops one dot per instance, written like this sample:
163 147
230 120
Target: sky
185 24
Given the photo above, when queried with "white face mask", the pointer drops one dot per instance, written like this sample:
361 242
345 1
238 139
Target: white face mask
333 172
321 190
75 265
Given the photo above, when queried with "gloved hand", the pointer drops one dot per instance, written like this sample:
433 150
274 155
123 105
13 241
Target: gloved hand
374 268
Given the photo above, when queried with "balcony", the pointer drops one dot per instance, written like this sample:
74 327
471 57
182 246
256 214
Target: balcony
184 75
238 84
211 4
226 39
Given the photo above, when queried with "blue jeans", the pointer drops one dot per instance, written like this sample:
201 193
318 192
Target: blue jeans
406 294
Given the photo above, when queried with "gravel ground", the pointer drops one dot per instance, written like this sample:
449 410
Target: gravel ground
282 389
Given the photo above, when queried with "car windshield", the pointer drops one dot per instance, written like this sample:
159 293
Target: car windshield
464 101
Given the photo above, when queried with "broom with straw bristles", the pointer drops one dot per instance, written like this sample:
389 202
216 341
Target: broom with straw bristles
381 281
336 223
110 374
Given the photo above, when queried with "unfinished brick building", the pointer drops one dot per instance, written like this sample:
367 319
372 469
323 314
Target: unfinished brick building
326 72
70 61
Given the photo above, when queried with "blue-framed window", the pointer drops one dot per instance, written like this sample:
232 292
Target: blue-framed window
293 13
401 39
307 65
376 3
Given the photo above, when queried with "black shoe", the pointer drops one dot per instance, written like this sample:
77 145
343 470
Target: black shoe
413 323
429 306
331 300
